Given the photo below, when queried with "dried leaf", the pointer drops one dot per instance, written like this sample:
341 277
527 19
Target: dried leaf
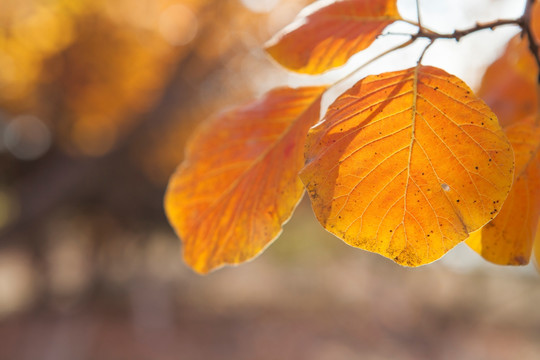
508 239
407 164
328 37
239 182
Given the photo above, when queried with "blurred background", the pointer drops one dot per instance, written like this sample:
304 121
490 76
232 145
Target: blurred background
97 98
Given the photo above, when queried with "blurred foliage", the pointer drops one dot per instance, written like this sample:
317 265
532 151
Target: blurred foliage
96 100
88 68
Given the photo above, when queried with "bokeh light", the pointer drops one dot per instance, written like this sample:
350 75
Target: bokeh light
178 25
260 5
27 137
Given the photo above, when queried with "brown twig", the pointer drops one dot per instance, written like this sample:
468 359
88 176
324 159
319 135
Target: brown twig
425 33
524 22
458 34
431 35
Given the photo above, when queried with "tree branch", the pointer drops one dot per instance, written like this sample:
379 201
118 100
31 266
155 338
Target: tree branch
458 34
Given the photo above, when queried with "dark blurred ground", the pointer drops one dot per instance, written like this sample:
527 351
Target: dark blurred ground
127 296
308 297
96 101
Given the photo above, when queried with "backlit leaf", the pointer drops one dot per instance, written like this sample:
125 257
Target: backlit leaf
535 21
509 84
407 164
239 182
508 239
328 37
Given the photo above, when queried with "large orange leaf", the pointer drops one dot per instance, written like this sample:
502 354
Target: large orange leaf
508 239
329 36
407 164
239 182
509 85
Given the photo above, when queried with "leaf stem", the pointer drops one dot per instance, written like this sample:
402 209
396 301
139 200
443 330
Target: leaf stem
424 52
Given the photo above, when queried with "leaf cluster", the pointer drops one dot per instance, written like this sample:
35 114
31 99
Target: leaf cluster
406 164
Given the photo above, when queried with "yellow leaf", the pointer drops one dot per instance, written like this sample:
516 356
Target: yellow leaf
508 239
328 37
407 164
239 182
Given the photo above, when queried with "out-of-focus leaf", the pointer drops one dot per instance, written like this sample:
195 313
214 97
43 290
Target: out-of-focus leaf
239 182
535 20
508 239
89 68
328 37
407 164
537 248
509 84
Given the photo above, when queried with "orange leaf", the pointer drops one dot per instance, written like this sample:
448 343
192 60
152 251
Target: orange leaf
239 182
508 239
509 84
535 21
328 37
406 164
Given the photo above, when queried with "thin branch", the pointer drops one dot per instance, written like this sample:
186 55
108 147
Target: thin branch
458 34
355 71
410 22
418 16
432 36
396 34
523 22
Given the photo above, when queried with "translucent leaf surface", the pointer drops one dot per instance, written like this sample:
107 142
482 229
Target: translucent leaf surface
239 182
407 164
509 84
328 37
535 21
508 239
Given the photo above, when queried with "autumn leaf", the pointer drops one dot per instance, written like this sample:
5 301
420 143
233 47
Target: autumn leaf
508 239
407 164
328 37
509 85
535 21
239 182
